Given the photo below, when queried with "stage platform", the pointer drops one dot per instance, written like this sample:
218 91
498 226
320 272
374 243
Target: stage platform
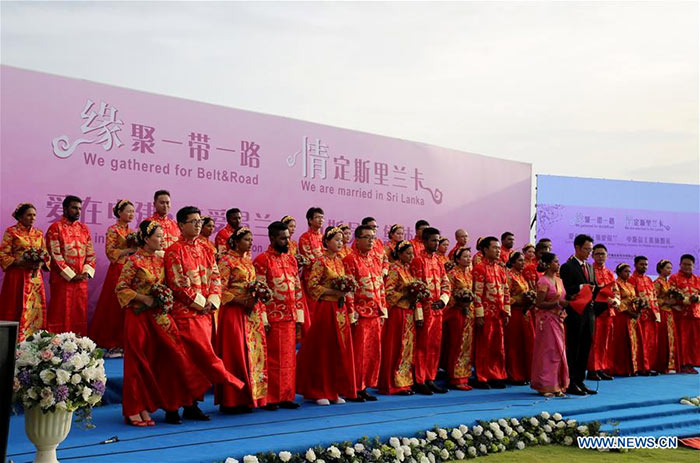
636 406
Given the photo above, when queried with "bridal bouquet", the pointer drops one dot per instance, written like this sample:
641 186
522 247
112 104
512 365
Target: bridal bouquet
344 284
259 291
35 256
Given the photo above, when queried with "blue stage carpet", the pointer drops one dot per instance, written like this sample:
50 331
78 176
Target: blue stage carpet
639 406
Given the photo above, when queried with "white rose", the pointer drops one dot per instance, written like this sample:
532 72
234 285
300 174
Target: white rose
488 434
547 428
520 429
376 453
359 447
47 402
456 433
231 460
471 451
250 459
430 436
76 378
551 423
70 346
444 454
62 376
568 440
514 422
94 399
350 451
86 395
77 362
424 459
582 429
405 441
494 426
561 425
507 430
394 442
686 402
571 423
499 435
544 415
534 422
332 450
399 453
56 360
61 405
556 417
442 433
459 455
461 442
406 450
483 449
32 393
414 441
520 445
47 376
478 430
502 423
310 455
431 457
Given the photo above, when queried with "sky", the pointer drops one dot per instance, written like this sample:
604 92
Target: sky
591 89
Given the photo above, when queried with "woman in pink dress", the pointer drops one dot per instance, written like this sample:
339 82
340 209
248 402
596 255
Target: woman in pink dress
550 373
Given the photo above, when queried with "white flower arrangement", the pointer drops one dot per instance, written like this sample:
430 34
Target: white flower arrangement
691 401
59 372
440 445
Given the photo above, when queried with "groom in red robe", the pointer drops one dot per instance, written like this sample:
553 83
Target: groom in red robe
492 310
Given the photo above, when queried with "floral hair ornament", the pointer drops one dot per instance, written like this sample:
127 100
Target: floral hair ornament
20 206
402 246
122 203
621 267
242 231
151 227
394 228
662 263
287 218
332 231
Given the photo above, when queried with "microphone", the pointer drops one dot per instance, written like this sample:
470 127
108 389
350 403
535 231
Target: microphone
111 440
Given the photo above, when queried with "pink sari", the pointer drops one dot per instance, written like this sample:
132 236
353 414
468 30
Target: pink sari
550 373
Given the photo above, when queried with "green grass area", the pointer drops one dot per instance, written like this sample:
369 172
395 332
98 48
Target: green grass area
575 455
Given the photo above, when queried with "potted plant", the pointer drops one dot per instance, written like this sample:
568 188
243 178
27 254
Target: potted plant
56 375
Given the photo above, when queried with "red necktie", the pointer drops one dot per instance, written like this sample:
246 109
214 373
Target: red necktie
585 271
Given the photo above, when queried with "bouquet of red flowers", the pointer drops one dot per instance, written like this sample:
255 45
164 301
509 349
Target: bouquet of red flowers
260 291
301 260
449 265
162 298
35 256
344 284
418 290
132 240
463 296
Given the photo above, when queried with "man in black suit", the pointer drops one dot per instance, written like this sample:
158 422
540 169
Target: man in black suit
575 274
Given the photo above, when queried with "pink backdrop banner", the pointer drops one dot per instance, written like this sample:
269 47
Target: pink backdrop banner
67 136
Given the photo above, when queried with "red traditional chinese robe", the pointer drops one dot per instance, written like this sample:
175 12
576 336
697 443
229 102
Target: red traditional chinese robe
627 334
427 267
458 329
456 248
192 274
107 326
418 245
505 255
531 275
399 336
369 304
23 298
667 359
284 311
157 371
221 240
293 247
171 232
687 318
240 340
519 333
326 368
205 241
492 302
649 319
600 357
70 246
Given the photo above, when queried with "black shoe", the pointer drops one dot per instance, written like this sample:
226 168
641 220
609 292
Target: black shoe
367 396
289 405
422 389
587 390
435 388
235 410
172 417
359 398
481 385
593 376
653 373
497 384
644 373
270 407
405 392
604 376
193 412
575 390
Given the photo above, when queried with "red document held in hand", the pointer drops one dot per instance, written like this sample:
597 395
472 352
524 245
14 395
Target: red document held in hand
581 300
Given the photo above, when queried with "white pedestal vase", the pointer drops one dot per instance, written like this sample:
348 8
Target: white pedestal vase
46 431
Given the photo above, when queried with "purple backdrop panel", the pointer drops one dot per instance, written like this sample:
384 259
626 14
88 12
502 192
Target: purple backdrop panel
65 136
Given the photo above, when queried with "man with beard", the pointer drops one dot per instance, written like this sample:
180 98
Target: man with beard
233 223
285 313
